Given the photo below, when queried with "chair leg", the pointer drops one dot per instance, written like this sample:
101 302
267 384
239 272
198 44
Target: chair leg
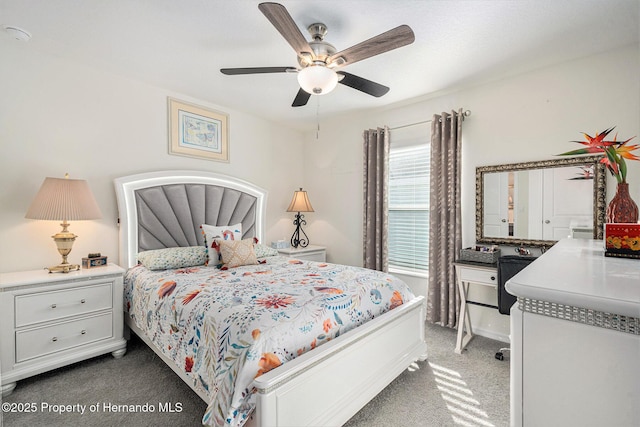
500 355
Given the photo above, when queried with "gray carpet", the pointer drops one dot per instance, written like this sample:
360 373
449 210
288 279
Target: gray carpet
471 389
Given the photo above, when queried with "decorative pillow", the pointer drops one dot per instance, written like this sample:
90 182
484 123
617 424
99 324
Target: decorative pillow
163 259
222 232
264 250
237 252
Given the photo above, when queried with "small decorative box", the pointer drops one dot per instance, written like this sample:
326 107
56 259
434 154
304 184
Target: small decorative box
622 240
94 262
280 244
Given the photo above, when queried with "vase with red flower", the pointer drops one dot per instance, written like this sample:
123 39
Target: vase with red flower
622 208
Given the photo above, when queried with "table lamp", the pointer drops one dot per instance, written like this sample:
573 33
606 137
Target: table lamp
299 203
64 200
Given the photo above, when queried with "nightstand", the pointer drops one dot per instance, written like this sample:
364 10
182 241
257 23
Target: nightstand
310 253
49 320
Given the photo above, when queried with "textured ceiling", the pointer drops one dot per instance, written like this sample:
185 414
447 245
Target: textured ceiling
181 44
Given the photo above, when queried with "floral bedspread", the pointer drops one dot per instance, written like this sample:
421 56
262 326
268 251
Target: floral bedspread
227 327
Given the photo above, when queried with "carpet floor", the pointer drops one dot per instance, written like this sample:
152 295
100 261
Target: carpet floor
448 389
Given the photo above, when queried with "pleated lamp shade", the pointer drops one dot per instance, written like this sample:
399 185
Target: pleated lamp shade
64 200
300 202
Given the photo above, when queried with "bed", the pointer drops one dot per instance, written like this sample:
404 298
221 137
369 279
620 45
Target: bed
324 381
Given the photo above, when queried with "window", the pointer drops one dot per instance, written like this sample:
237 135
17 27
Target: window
409 207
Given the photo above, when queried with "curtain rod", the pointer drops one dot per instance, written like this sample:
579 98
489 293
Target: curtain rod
467 113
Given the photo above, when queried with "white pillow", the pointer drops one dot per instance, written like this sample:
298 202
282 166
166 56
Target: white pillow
170 258
222 232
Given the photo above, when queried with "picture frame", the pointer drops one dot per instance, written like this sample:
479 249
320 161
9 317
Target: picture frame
197 131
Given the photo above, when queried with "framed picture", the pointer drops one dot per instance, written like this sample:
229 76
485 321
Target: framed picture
197 131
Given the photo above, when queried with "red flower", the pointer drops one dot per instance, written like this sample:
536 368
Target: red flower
596 143
613 152
188 364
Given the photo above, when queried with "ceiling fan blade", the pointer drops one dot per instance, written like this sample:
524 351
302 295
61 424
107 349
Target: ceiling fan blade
363 85
301 99
257 70
280 18
392 39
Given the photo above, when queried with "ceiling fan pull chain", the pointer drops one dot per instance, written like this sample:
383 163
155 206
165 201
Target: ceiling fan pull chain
318 117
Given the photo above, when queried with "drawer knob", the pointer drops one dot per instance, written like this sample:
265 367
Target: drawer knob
493 277
82 301
83 332
54 305
54 339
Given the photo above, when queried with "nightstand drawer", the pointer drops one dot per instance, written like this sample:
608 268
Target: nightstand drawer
310 253
476 275
52 305
313 256
38 342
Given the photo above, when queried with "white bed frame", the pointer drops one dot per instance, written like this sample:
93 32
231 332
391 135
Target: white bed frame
324 387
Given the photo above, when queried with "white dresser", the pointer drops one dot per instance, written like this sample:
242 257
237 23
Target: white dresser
51 320
575 331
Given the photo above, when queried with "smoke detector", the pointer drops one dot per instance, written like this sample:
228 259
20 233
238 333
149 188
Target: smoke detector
17 33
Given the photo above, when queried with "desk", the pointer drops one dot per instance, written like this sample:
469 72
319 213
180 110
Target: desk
468 273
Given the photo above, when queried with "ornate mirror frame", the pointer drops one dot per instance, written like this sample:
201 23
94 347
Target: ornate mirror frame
599 196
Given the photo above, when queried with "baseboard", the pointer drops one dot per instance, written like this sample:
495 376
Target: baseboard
488 333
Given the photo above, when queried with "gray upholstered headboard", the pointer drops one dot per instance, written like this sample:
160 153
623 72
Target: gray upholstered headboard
165 209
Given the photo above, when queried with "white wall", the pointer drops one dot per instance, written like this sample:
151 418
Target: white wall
57 116
533 116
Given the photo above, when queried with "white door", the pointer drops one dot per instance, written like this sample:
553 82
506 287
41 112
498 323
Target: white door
567 201
496 204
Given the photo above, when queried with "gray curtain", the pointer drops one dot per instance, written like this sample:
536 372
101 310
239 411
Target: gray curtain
376 176
445 231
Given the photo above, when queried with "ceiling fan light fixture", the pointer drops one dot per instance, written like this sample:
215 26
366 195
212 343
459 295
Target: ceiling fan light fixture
317 79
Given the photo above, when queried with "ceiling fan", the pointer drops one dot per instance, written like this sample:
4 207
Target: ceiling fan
318 60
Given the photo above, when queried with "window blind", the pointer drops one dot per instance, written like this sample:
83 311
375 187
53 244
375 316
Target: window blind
409 207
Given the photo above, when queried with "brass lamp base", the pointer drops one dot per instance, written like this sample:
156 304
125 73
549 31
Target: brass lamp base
63 268
64 241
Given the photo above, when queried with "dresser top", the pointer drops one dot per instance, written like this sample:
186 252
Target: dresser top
301 250
32 277
575 272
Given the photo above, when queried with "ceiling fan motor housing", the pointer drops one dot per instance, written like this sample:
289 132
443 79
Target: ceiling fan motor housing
321 49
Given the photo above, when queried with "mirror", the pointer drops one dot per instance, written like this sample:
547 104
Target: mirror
539 203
